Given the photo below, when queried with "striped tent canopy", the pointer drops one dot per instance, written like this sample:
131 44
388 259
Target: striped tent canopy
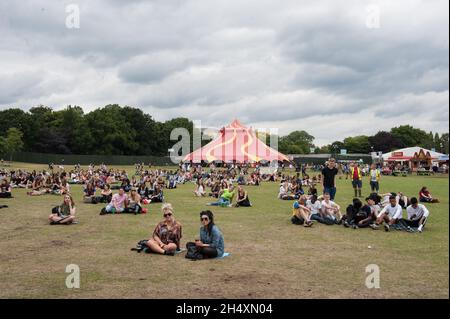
238 143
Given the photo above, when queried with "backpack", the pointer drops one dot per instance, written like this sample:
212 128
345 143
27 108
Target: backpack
192 252
297 220
142 246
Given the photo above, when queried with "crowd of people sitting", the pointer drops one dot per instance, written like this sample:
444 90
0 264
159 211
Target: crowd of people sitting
226 185
380 209
386 210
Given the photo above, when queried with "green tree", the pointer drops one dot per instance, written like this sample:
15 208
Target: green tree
12 143
385 142
297 142
336 147
325 149
411 136
357 144
111 133
437 142
443 145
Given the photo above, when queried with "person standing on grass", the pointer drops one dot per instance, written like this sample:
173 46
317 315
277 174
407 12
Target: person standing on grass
329 173
374 176
355 173
64 213
417 215
389 215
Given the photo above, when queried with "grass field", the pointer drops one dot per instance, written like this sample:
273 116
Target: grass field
271 258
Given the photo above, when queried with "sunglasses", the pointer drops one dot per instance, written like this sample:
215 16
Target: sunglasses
168 214
205 218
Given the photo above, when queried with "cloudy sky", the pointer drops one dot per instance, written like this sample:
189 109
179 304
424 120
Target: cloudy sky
332 68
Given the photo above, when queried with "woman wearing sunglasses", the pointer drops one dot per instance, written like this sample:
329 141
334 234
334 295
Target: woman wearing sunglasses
211 243
167 235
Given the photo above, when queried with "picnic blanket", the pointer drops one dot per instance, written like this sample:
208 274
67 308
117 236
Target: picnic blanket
223 256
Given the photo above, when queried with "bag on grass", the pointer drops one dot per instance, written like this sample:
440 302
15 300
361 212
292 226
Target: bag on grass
297 220
192 252
141 246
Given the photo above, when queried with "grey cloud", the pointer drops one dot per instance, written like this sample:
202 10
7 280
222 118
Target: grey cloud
215 60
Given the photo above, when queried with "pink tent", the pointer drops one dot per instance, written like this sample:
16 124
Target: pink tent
236 142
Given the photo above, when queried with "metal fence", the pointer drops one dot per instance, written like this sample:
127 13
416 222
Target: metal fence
73 159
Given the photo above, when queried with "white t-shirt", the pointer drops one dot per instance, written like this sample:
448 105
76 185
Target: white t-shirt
393 212
373 175
420 212
330 204
375 209
313 207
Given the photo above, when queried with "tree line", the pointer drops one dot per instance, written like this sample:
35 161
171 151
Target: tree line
125 130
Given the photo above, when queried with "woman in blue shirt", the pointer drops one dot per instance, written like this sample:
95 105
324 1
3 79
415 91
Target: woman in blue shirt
210 244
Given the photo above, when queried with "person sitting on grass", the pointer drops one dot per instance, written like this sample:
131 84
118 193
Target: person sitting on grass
389 215
312 190
134 203
167 235
106 194
5 189
63 214
126 184
56 185
425 196
200 188
37 186
215 190
297 189
417 215
211 242
401 199
241 179
48 184
143 191
118 203
242 198
284 191
330 209
157 196
301 214
356 213
226 198
89 192
314 207
371 210
65 187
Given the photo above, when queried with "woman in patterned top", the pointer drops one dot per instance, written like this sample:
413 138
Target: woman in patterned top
167 234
